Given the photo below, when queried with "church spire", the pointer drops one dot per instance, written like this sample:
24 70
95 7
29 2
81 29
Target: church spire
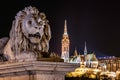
85 49
65 27
75 52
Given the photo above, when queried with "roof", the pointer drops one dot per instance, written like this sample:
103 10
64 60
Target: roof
91 57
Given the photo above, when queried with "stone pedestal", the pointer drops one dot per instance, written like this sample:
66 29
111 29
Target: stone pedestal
35 70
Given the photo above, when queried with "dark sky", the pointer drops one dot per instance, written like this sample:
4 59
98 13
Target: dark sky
96 22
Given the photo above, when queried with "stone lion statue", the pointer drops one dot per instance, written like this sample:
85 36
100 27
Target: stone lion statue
29 36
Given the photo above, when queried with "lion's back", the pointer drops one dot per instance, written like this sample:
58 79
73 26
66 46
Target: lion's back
3 42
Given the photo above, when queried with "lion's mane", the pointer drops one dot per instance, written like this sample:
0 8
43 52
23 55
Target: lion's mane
19 42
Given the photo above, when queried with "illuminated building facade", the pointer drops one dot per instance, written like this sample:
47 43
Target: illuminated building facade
111 63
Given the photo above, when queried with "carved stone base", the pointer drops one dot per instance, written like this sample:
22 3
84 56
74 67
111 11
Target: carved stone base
35 70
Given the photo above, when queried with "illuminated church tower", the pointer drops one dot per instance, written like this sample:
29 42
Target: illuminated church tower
65 44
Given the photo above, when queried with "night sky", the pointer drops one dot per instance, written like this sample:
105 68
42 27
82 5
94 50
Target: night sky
96 22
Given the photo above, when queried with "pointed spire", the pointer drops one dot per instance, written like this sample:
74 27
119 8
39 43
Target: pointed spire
65 27
85 49
75 52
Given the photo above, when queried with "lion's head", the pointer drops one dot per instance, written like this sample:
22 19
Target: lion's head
30 31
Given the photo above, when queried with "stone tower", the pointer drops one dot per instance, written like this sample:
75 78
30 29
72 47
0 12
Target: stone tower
65 44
